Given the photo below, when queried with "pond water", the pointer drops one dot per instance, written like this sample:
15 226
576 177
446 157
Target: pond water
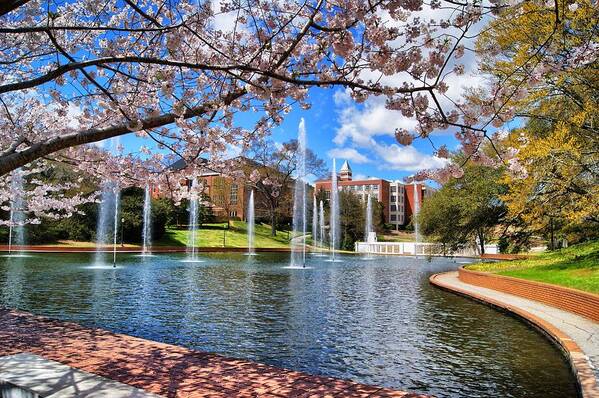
377 322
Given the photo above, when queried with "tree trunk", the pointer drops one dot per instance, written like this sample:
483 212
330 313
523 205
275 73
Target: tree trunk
273 222
552 237
481 239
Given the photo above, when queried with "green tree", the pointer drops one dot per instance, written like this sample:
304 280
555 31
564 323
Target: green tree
351 217
467 210
547 71
132 205
272 171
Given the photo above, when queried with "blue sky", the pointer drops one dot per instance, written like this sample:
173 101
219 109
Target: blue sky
363 133
360 133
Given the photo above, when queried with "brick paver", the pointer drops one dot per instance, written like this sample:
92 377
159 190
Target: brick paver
166 369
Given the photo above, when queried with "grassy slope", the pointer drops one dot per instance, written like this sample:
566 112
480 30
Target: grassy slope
235 237
576 267
397 236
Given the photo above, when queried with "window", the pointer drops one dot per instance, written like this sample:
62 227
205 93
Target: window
393 188
393 207
233 213
393 198
393 217
233 195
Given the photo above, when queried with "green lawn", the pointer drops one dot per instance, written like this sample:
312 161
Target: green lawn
397 236
211 235
576 267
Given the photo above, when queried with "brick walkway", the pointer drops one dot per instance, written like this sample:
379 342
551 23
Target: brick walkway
166 369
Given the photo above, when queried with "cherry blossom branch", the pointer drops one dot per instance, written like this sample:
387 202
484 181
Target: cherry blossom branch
15 160
10 5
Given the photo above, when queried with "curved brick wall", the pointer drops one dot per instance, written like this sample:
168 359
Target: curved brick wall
576 301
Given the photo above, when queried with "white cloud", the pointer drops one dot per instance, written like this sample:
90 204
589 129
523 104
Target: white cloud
373 119
342 97
348 154
223 21
361 125
232 151
360 176
406 158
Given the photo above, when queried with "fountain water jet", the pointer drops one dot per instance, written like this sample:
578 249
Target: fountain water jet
314 221
194 204
16 226
368 226
334 212
106 227
251 225
147 223
317 227
299 202
117 198
321 237
415 218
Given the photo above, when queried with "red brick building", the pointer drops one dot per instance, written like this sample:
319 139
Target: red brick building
228 196
397 198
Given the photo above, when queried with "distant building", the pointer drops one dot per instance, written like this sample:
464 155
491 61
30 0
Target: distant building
397 197
228 196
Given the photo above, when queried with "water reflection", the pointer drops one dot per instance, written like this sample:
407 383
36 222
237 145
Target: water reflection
376 322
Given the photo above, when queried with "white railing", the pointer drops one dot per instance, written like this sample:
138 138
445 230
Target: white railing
413 248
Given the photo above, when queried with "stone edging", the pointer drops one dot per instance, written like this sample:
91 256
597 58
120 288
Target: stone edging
578 302
155 249
579 364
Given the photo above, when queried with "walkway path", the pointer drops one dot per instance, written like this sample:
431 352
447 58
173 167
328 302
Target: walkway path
580 335
166 369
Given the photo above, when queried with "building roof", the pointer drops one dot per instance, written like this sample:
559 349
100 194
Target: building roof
345 166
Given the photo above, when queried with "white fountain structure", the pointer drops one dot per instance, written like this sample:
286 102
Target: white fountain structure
16 226
107 224
334 213
298 253
147 223
250 225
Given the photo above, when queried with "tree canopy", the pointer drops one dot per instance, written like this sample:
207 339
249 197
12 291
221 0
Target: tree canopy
466 210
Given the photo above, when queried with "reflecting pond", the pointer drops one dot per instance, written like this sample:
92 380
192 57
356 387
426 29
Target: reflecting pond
377 322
